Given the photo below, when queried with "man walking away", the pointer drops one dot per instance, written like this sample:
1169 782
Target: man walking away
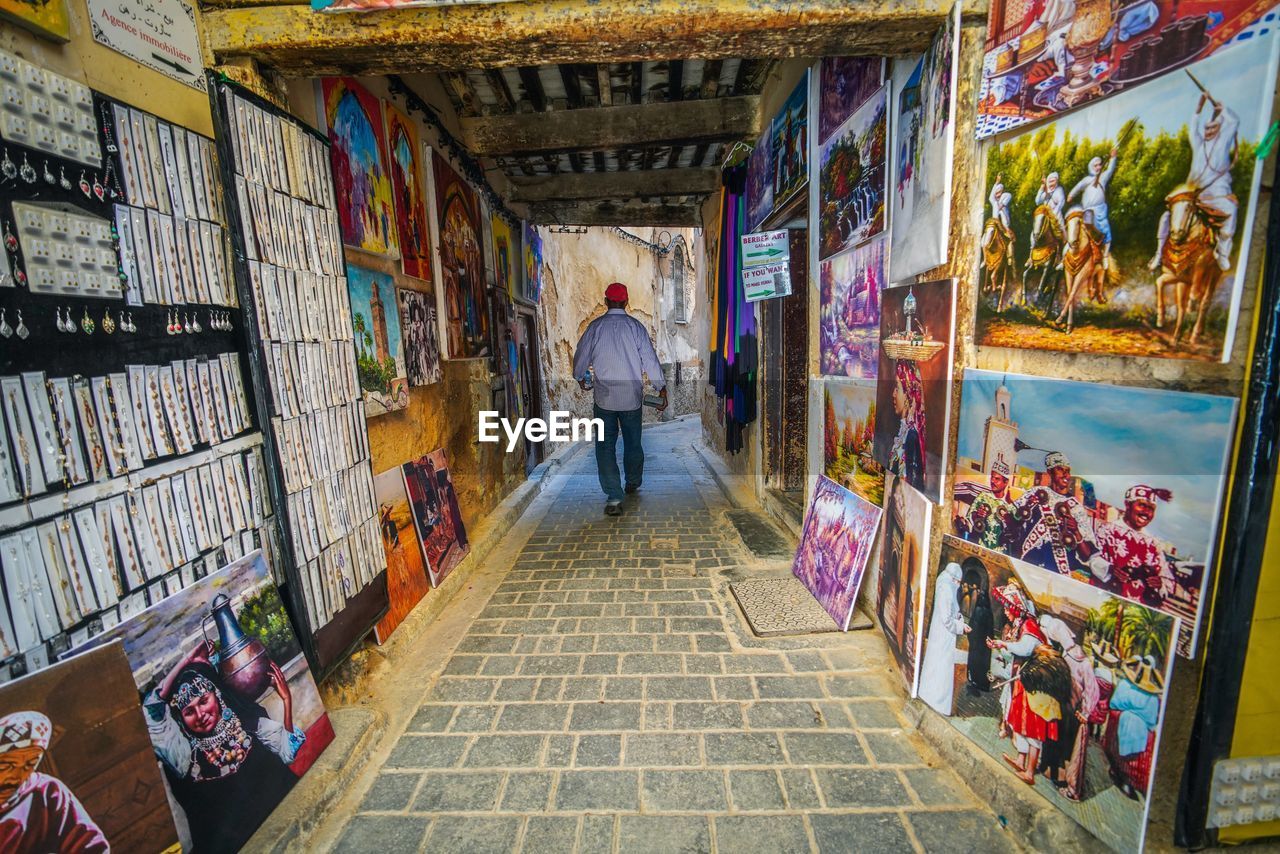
618 353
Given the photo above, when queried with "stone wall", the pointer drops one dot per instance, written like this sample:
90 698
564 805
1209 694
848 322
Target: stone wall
576 269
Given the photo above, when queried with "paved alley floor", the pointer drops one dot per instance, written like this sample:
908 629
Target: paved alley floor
609 698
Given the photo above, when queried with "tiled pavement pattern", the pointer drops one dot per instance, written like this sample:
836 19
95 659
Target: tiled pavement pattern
602 702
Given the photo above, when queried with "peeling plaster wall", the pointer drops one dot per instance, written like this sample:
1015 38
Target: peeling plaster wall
441 415
576 269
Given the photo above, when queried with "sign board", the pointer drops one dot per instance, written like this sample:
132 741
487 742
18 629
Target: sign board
766 265
160 34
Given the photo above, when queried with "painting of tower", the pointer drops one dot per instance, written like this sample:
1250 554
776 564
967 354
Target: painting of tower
1000 433
378 314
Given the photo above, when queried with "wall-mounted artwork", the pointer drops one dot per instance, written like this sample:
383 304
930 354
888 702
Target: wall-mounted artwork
420 333
849 288
433 498
759 193
913 397
1120 488
358 155
1062 683
852 178
462 276
532 251
923 94
77 771
844 85
1123 228
505 253
379 348
848 433
835 544
790 145
407 580
49 19
408 185
234 716
1047 58
904 558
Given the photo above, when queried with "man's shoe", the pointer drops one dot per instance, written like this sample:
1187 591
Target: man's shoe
631 488
613 508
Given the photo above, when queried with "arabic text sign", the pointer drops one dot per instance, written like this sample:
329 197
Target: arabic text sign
160 34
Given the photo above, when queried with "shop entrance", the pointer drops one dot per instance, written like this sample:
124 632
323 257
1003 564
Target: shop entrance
785 327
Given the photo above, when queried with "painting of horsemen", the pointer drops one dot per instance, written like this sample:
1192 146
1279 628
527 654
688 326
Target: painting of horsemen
1123 228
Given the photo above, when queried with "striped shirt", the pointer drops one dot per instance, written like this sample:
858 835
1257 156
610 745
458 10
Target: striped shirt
617 347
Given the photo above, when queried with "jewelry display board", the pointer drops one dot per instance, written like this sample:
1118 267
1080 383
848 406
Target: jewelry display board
289 266
131 463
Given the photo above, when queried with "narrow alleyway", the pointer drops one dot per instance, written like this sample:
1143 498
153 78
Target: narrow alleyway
609 697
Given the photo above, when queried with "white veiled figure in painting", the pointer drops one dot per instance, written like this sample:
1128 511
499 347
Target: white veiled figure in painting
938 675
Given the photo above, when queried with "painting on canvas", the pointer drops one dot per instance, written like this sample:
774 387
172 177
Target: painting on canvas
913 395
433 497
1044 59
1123 228
409 189
358 155
420 332
407 580
375 319
462 275
904 558
849 291
234 716
845 83
1063 684
1120 488
924 131
848 432
852 178
835 544
759 192
77 770
790 145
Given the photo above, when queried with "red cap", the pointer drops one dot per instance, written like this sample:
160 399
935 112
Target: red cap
616 292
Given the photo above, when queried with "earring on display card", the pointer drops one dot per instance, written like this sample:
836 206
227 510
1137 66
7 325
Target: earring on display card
84 185
98 189
10 239
48 176
8 167
108 322
5 329
86 323
28 172
133 327
193 323
63 180
57 318
22 331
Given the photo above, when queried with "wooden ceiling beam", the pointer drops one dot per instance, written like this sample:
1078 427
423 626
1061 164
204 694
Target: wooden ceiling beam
605 186
604 86
297 41
711 78
572 86
533 87
614 213
675 80
659 123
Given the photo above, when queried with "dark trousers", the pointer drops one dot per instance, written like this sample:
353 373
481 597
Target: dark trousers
628 423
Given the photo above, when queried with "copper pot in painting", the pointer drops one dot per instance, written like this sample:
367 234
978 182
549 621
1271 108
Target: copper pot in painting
243 662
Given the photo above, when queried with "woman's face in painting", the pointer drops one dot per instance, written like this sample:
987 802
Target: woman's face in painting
900 403
201 715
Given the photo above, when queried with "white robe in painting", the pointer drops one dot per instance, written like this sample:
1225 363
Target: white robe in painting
938 675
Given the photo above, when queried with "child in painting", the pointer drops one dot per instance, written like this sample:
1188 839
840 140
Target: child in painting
38 812
907 456
227 762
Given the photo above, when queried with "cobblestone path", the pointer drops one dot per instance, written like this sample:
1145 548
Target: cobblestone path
609 698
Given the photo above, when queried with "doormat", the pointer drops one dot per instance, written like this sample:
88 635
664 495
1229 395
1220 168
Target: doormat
760 536
782 606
